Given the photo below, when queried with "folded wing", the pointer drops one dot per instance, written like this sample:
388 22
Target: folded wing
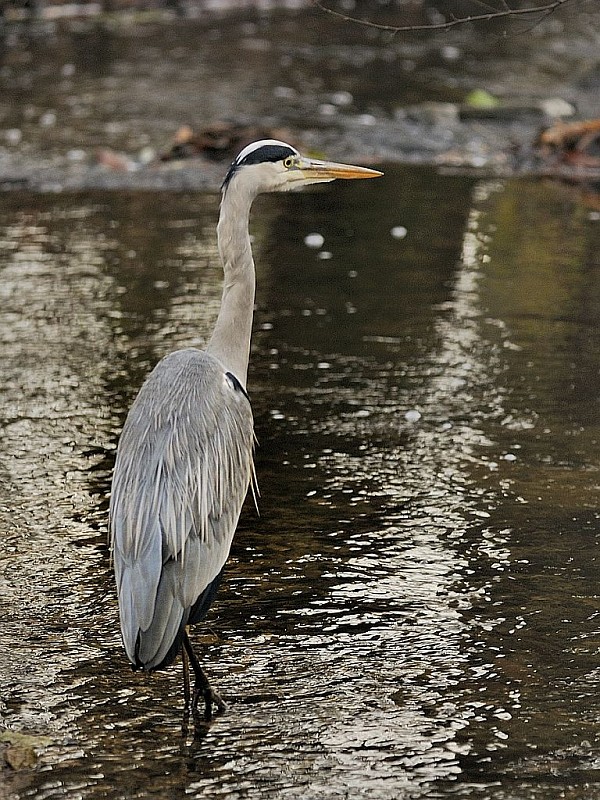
182 472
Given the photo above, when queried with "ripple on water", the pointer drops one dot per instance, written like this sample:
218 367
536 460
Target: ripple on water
403 620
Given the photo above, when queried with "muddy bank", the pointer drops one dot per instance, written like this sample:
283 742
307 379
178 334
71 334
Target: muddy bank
92 103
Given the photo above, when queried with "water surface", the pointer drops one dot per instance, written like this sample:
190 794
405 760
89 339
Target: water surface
414 612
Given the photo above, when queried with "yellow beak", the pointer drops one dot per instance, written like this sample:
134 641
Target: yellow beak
314 170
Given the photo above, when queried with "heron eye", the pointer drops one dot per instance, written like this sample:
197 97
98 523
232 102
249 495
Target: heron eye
289 162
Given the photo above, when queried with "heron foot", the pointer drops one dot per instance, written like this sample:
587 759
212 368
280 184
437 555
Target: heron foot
211 698
202 687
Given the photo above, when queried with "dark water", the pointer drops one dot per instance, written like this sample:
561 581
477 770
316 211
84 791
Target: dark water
415 613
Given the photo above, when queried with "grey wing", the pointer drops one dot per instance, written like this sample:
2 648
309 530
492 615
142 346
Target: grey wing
183 468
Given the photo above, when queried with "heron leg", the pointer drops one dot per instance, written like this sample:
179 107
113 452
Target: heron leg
186 681
202 687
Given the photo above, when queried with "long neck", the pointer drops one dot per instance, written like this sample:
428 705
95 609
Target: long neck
230 340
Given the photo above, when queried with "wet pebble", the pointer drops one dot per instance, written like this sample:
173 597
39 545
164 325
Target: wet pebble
341 99
314 240
76 155
48 119
367 119
450 52
327 109
413 415
147 155
13 136
284 92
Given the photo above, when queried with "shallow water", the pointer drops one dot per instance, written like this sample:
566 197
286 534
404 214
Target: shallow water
89 103
414 613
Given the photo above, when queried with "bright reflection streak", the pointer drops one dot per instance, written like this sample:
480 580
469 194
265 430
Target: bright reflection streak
407 592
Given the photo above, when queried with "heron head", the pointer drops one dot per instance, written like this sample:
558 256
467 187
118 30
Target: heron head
273 166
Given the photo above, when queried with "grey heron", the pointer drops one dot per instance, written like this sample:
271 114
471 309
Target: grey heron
185 456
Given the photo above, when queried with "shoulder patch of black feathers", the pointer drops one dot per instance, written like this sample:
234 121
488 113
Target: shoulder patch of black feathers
236 384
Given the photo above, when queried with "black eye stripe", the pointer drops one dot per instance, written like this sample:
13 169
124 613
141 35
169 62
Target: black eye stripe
268 152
